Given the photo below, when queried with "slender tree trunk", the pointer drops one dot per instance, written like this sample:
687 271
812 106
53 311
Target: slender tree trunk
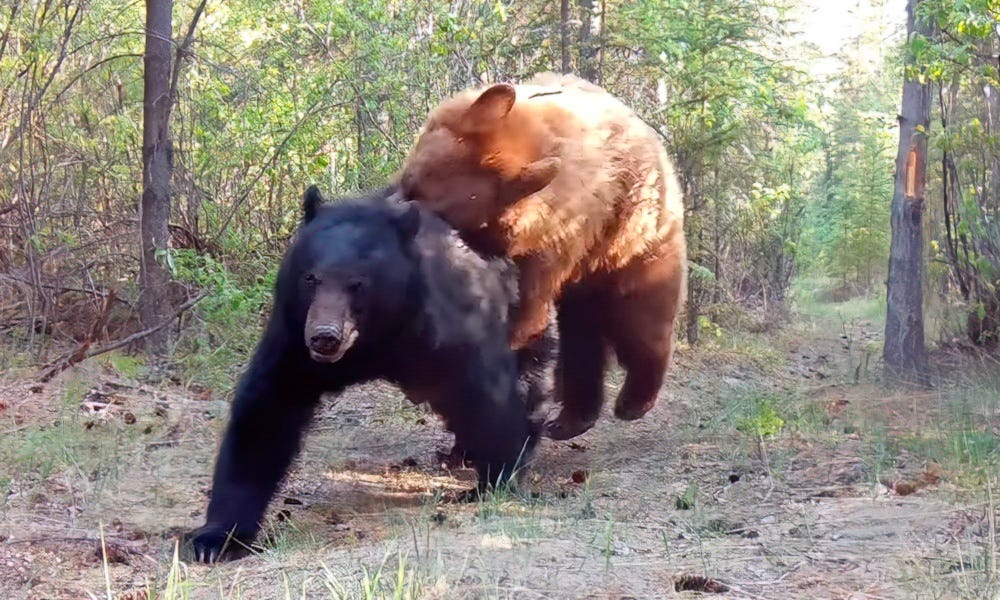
588 64
564 33
904 352
695 229
157 164
950 190
602 39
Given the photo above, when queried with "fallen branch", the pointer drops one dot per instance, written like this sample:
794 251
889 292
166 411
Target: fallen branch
62 289
84 351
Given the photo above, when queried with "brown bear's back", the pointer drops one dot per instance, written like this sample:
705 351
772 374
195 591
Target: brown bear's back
616 197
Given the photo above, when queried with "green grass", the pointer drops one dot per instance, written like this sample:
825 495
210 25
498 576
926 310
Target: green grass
763 421
74 442
403 580
807 294
754 412
131 367
952 426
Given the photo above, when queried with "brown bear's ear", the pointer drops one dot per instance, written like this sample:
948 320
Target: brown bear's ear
311 201
531 179
491 106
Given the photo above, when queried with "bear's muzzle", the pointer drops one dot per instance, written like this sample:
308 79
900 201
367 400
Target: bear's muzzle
328 344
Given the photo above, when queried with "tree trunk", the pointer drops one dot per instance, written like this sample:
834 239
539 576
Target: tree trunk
904 351
157 165
694 233
564 34
588 64
601 40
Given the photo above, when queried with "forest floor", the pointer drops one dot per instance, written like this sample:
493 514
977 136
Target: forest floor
774 466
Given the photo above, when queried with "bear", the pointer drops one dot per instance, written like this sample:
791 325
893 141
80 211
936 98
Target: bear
569 182
370 288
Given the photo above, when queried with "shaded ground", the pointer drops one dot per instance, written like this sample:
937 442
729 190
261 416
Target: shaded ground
863 491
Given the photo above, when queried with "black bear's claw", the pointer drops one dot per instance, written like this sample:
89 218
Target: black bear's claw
214 544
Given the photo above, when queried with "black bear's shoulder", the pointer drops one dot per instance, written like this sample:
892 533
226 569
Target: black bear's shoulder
467 296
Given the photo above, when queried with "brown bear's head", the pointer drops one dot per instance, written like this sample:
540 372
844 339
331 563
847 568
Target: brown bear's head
475 159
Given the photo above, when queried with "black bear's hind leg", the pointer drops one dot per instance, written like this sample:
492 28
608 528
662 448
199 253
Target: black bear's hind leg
490 421
536 366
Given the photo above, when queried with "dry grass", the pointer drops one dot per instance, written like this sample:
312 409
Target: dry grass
781 475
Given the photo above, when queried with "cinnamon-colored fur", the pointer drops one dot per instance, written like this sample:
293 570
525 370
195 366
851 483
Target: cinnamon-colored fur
569 182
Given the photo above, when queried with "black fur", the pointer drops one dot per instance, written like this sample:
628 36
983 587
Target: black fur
411 305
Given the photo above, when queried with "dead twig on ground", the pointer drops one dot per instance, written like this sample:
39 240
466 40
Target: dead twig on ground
84 350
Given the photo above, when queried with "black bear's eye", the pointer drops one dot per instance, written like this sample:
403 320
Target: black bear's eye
311 279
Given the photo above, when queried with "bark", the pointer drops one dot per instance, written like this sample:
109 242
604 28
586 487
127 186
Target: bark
564 34
588 47
157 166
904 351
695 231
601 40
950 189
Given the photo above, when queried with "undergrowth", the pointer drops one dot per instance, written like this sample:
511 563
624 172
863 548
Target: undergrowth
226 324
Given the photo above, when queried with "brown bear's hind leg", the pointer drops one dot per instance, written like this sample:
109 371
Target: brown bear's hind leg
580 368
645 358
642 332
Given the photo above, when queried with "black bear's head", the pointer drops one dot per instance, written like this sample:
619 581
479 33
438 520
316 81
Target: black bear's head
356 268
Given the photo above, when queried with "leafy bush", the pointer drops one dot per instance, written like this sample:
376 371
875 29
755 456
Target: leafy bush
763 422
227 322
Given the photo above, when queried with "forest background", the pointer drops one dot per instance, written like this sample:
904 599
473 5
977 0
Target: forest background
782 117
785 152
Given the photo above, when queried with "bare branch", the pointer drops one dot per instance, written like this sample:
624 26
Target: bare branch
183 48
84 351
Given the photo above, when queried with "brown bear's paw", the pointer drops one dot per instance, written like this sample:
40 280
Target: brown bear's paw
566 427
625 411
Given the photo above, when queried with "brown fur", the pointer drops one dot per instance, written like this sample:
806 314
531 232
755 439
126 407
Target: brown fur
569 182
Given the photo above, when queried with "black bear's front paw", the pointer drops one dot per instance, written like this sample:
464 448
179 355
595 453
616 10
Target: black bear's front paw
216 543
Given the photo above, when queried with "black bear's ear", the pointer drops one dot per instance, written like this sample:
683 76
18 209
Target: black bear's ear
311 201
408 221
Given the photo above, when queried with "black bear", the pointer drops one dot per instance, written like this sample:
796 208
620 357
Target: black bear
371 288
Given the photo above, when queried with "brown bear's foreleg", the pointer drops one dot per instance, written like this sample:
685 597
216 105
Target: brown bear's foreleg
642 311
581 363
539 282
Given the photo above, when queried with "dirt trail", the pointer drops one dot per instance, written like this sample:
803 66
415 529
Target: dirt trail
681 498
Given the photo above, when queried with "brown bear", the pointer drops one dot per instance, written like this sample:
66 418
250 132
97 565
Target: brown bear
578 190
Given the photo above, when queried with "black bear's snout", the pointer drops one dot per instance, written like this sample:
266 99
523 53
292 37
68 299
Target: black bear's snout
324 342
328 344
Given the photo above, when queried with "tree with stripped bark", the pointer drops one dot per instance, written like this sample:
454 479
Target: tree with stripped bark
904 352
